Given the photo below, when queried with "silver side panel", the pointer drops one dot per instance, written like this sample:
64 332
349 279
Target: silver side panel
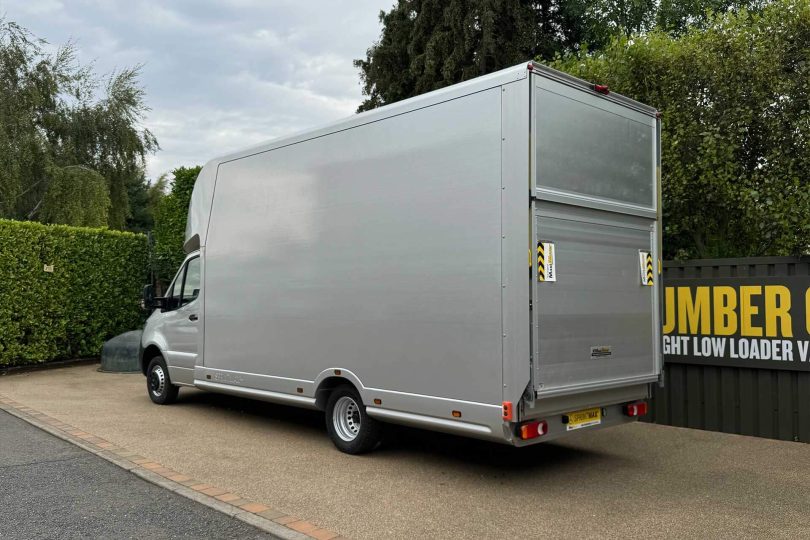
375 249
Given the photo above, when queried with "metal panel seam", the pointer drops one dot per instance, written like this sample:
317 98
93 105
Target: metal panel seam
503 325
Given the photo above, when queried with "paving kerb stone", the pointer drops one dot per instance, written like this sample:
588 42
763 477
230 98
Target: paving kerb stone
82 440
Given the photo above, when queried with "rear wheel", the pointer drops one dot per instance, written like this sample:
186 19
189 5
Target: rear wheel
158 384
350 428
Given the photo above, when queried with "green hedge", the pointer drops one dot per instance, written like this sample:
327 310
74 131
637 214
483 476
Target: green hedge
92 294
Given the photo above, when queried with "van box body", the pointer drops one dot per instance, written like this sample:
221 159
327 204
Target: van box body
390 250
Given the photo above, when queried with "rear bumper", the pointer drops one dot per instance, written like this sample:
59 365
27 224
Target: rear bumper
552 410
612 415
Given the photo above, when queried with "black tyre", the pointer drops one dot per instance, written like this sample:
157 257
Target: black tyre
158 384
350 428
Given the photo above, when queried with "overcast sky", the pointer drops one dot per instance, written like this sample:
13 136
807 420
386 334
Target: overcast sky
219 75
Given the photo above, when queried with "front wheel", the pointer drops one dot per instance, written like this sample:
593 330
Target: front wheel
158 384
350 428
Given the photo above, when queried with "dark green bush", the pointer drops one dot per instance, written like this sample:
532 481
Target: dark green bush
170 225
92 294
735 98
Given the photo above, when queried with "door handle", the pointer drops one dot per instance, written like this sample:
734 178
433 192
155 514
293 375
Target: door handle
193 317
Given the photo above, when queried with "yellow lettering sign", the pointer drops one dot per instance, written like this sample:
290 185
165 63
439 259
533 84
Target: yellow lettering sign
748 310
725 310
669 304
728 310
807 309
777 308
693 314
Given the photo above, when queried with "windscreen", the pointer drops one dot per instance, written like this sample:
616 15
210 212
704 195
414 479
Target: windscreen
589 146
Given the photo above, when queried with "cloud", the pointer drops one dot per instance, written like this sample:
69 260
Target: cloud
219 75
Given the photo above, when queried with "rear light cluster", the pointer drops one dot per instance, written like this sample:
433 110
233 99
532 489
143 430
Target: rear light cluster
532 430
636 409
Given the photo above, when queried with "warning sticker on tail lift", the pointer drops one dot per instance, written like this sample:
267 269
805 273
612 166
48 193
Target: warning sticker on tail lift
645 262
546 262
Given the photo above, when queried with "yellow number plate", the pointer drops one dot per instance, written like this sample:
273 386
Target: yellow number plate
581 419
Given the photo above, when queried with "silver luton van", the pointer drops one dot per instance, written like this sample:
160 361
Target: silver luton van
376 268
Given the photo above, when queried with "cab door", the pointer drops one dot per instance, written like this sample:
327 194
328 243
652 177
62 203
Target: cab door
182 320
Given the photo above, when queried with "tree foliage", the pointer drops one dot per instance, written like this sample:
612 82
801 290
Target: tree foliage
51 117
144 198
170 224
735 98
429 44
76 196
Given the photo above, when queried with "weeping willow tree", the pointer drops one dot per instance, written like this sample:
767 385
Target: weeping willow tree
55 113
76 196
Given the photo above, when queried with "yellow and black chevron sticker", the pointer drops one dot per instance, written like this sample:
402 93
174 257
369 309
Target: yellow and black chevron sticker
646 266
541 262
546 263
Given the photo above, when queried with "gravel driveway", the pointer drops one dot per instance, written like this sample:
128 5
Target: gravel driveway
638 480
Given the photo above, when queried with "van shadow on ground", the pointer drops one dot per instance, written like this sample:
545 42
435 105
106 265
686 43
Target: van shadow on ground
409 443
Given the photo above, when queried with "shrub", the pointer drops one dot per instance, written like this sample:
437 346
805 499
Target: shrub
170 224
92 294
736 127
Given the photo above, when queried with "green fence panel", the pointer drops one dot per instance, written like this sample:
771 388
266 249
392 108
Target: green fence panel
737 347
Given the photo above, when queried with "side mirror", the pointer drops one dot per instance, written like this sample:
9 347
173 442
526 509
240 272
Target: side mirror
148 297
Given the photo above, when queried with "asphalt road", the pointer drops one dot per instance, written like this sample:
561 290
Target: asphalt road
52 489
634 481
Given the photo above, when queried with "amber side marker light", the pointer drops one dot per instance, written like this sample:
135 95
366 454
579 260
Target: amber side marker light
377 401
508 412
532 430
456 414
636 409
